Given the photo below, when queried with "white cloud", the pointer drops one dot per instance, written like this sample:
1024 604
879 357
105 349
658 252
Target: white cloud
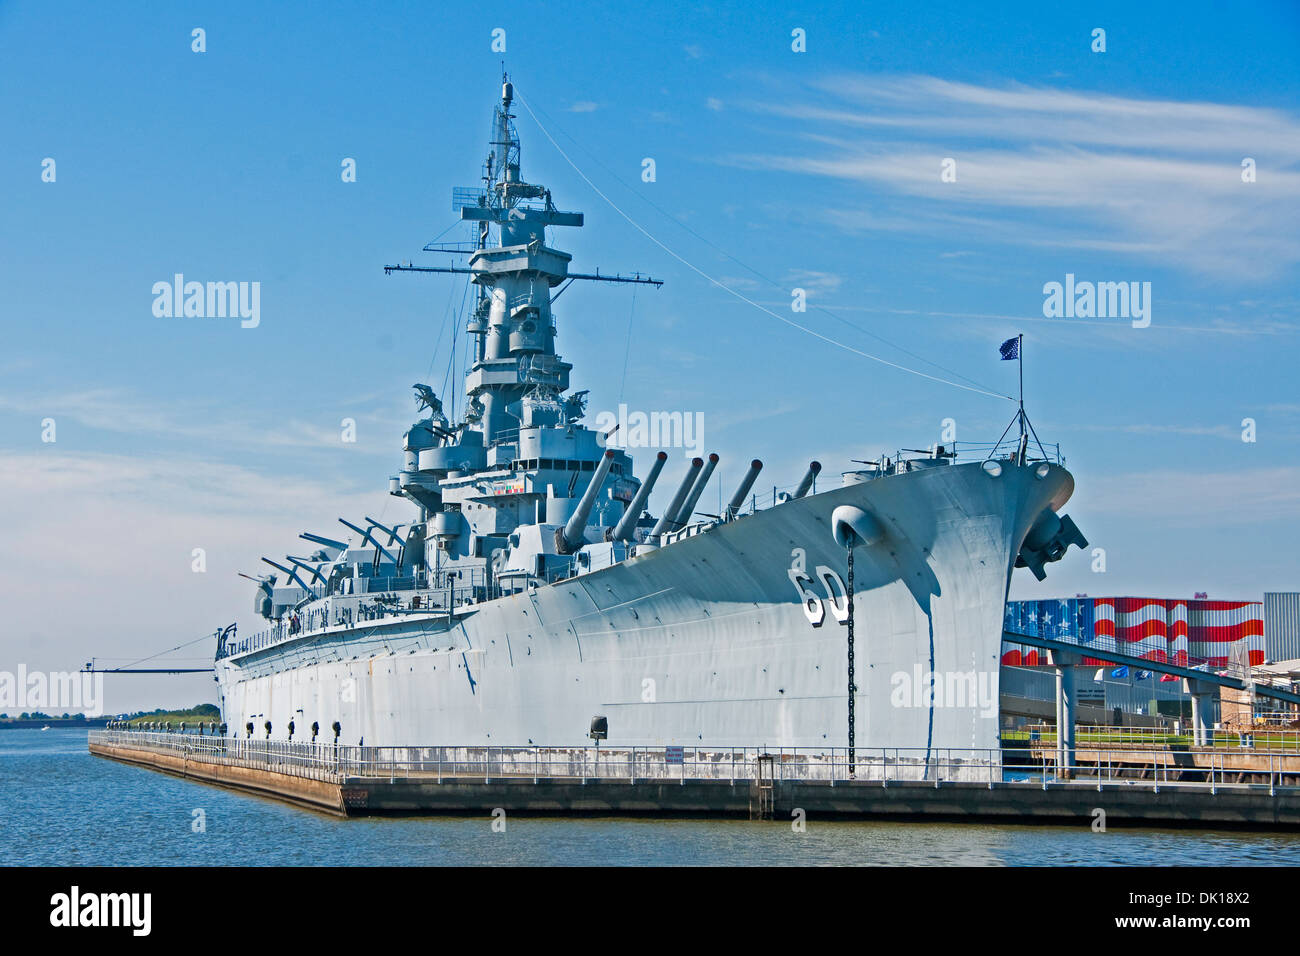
114 410
813 281
104 568
1152 178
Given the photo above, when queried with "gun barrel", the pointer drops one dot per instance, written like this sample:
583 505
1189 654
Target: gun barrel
627 524
293 575
393 536
813 468
367 536
674 506
738 499
688 506
319 539
577 524
314 569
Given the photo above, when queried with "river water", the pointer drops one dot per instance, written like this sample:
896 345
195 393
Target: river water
61 806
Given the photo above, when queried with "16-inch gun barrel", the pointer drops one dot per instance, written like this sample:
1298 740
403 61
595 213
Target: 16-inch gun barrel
813 468
688 506
738 499
666 520
577 524
627 524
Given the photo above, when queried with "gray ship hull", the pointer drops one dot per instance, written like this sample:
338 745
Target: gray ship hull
714 639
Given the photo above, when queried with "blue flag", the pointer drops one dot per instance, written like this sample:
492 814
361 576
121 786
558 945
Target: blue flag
1010 349
1121 671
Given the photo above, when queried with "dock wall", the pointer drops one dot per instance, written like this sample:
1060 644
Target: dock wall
743 794
316 794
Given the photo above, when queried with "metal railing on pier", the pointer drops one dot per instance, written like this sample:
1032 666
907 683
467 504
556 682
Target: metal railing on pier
1009 764
312 761
1256 740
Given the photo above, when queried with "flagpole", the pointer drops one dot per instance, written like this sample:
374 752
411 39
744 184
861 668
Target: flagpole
1020 353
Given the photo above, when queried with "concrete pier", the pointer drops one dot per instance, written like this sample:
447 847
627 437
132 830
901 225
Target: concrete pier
1061 803
944 786
305 791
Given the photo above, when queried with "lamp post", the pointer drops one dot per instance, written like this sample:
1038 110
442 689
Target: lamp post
599 731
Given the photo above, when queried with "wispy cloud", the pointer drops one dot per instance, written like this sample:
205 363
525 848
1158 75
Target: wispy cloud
1194 431
114 410
201 490
813 281
1153 178
1233 498
584 106
124 530
1249 324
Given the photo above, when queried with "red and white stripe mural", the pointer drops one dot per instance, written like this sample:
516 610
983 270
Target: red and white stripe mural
1174 630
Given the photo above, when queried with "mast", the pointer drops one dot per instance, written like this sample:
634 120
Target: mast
514 330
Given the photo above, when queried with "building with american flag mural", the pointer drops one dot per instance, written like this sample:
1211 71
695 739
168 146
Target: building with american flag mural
1196 633
1189 632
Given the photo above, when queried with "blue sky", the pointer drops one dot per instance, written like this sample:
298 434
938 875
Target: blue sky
817 170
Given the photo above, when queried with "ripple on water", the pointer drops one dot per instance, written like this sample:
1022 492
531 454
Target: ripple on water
65 807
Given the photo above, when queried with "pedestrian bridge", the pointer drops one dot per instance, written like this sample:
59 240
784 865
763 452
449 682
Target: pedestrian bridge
1117 653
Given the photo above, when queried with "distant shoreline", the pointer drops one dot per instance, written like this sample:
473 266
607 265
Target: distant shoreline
198 715
53 722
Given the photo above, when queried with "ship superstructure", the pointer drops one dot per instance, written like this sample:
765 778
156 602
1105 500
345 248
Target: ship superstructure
532 594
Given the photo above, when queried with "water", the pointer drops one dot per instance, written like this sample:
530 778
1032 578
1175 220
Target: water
61 806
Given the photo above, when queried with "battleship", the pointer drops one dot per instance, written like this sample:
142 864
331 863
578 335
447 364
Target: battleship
533 599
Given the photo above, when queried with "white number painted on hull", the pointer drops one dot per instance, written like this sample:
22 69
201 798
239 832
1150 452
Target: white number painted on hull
836 593
814 607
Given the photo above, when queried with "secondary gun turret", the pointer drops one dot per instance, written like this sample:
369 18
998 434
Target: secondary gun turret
263 600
